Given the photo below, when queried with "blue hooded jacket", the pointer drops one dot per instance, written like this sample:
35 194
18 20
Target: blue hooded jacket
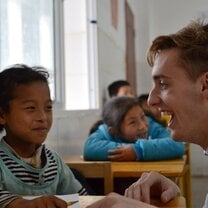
158 146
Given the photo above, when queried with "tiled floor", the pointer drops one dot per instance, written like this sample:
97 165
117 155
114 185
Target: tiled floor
199 191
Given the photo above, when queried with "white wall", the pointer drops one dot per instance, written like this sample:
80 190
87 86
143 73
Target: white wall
152 18
168 16
70 130
111 45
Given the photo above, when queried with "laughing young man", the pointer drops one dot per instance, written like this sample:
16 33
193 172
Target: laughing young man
180 86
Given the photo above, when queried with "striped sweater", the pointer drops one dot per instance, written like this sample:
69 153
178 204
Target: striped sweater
18 178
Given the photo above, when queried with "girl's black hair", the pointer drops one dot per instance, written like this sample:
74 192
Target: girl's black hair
114 112
17 75
95 126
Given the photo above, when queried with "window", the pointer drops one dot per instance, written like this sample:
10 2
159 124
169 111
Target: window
80 48
60 36
27 34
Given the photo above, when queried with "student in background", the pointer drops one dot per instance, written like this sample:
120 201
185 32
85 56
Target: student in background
27 167
120 88
124 134
123 88
152 110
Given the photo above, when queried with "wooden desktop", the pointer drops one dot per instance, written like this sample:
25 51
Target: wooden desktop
178 202
175 169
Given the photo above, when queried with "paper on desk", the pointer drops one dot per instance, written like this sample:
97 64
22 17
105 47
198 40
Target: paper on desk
67 198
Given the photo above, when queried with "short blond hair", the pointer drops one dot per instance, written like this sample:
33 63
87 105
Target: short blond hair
192 44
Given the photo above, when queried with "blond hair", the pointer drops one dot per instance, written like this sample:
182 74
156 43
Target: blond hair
192 44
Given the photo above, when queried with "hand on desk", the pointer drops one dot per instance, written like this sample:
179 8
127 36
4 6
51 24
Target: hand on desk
39 202
152 185
122 153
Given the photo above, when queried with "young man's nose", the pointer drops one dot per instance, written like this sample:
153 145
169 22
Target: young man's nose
153 99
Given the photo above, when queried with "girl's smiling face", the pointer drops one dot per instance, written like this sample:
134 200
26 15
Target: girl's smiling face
29 118
134 125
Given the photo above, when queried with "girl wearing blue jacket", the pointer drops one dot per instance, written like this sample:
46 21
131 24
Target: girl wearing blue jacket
126 134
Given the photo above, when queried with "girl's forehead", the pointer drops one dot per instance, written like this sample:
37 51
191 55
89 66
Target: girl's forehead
34 84
35 88
134 109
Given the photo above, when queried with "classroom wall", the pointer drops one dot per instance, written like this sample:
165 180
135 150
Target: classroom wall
152 18
111 46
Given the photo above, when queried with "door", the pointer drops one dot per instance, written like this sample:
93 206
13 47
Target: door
130 48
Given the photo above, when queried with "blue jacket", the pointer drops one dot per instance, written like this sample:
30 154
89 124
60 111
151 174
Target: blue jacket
158 146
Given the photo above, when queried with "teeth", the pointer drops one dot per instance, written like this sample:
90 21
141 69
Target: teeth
166 116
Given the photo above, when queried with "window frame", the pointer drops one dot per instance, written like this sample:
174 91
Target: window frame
59 72
59 54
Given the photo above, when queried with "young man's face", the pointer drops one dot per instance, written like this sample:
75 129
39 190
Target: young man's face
125 91
30 116
134 125
174 92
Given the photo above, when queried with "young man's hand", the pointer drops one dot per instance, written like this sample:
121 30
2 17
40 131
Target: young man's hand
151 185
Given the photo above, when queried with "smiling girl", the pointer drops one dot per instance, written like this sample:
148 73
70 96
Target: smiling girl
126 134
27 167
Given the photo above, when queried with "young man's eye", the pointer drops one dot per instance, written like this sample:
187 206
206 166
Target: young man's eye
163 85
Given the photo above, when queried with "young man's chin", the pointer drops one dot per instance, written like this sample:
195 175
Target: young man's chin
176 136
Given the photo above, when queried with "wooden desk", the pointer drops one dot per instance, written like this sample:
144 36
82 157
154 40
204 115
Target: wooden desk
169 168
185 181
178 170
109 170
178 202
93 169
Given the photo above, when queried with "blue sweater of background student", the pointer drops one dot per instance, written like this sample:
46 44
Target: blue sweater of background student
158 146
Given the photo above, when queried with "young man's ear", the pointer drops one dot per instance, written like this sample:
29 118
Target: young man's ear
205 84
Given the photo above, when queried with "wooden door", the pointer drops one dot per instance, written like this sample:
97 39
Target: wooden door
130 48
